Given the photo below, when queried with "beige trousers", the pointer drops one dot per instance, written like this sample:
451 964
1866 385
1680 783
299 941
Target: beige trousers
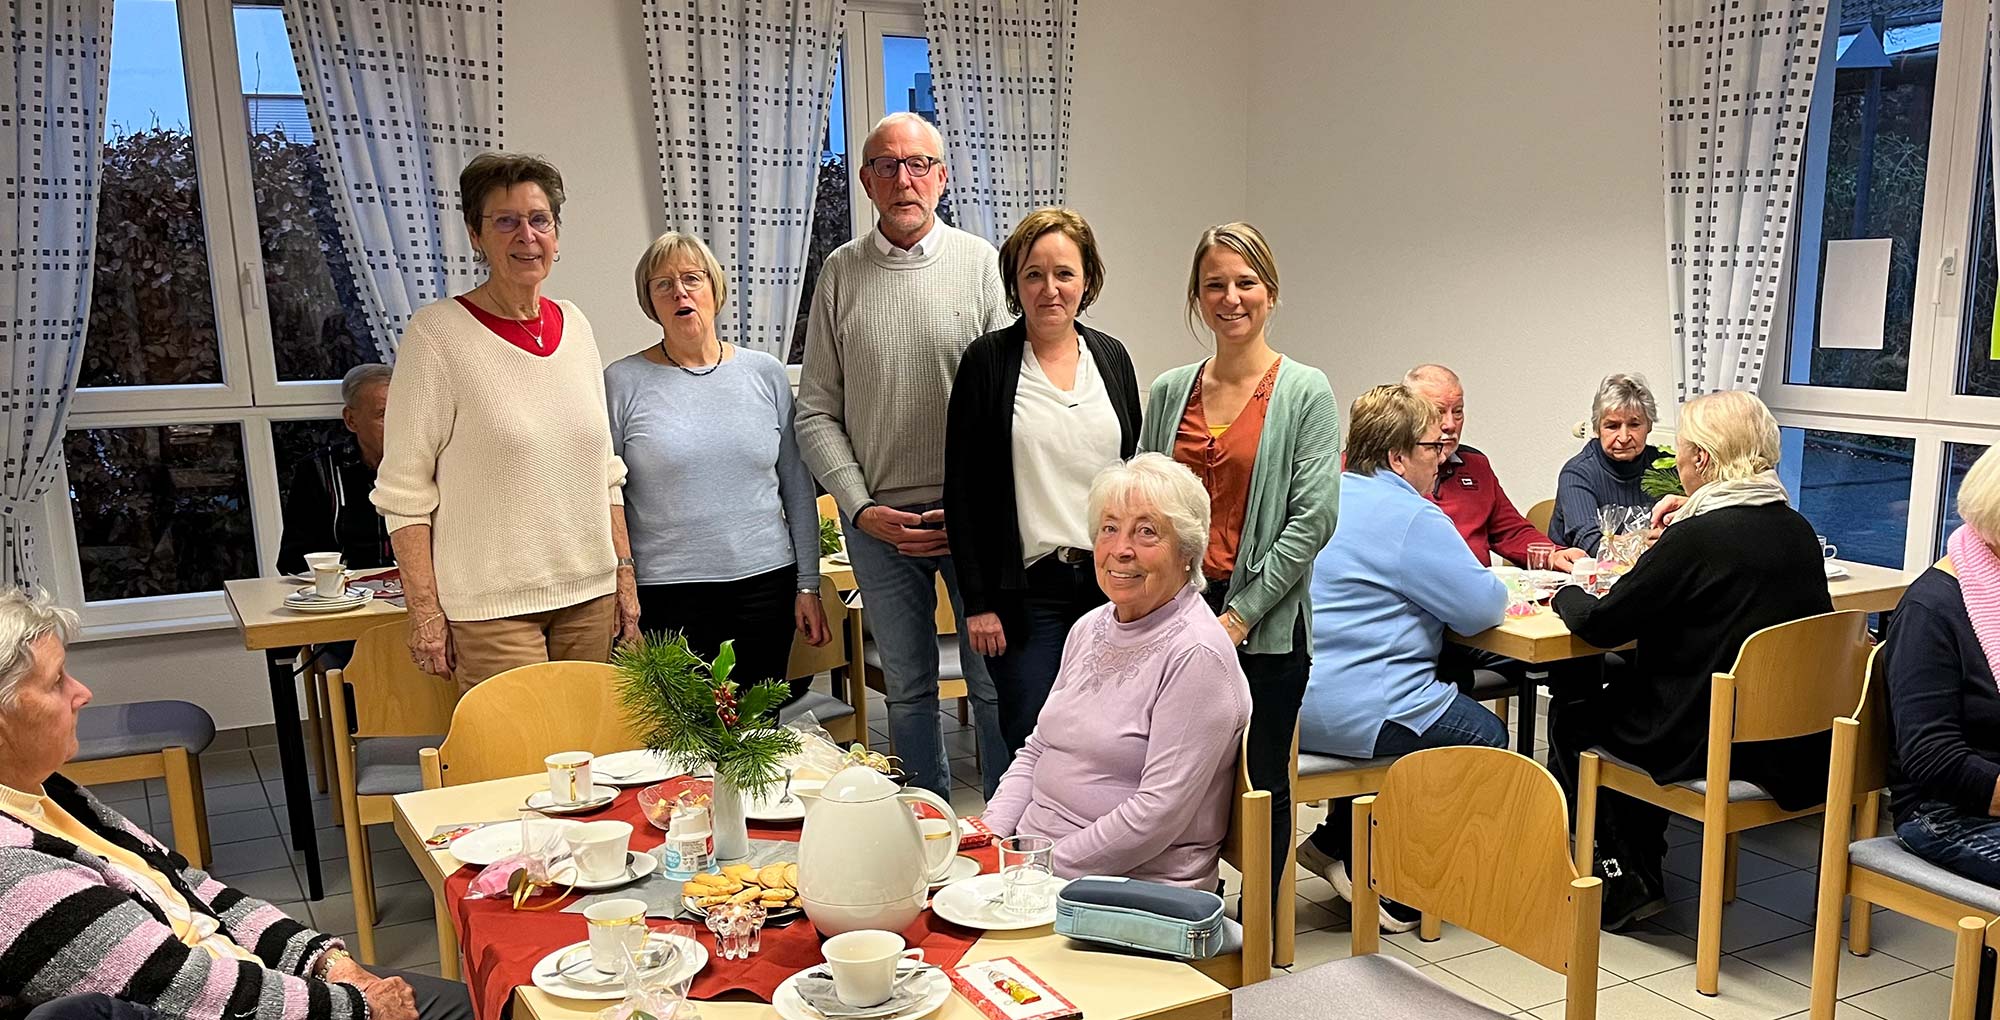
486 648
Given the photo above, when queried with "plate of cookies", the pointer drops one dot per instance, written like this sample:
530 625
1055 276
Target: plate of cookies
775 887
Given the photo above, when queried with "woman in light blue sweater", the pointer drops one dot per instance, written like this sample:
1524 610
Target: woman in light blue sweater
719 505
1393 578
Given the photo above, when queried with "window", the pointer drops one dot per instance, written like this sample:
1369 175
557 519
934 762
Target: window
1958 460
223 314
1881 419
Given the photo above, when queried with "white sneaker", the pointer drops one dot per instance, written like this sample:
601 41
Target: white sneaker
1335 872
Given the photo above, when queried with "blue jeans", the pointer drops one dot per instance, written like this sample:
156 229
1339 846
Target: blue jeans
899 599
1953 840
1058 594
1465 722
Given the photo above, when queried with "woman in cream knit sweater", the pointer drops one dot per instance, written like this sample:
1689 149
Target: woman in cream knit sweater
498 482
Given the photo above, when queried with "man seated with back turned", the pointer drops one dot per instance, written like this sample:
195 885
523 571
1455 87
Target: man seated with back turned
327 508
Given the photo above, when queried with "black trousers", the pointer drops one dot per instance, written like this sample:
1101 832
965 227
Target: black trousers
1629 830
754 612
1277 687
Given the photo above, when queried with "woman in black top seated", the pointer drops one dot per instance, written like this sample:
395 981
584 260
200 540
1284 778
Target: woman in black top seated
1734 559
1944 780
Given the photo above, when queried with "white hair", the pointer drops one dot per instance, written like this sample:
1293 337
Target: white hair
24 620
905 117
1431 375
1622 391
358 378
1167 489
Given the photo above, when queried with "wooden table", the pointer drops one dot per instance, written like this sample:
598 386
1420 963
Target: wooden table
1543 639
268 627
1106 986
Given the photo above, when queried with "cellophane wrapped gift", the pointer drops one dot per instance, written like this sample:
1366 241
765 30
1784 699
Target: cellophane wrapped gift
1624 529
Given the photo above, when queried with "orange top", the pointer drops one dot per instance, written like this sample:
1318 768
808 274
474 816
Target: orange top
1222 458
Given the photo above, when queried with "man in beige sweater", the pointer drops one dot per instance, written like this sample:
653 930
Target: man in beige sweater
893 312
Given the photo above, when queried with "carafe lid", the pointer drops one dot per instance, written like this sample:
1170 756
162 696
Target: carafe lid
858 784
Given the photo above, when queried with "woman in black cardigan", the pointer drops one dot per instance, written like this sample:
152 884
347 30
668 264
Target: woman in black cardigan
1735 559
1037 410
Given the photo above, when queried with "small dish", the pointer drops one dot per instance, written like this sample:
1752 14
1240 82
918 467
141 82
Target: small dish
962 868
790 1006
545 801
482 847
638 864
575 985
975 903
631 768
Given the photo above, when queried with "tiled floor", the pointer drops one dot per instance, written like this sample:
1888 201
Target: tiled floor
1648 975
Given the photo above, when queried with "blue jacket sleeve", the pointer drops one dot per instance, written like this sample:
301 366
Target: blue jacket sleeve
1576 509
1440 575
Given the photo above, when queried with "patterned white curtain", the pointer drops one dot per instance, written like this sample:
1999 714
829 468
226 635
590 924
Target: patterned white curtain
402 94
1000 73
740 96
1736 80
51 158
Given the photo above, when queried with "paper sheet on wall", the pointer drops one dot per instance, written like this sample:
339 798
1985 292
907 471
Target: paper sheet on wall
1854 294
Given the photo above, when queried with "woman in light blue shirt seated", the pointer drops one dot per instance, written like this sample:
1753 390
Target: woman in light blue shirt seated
720 507
1395 575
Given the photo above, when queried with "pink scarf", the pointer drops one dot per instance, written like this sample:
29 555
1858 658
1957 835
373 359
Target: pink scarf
1978 571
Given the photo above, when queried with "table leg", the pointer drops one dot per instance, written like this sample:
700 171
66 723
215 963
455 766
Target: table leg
1531 687
292 761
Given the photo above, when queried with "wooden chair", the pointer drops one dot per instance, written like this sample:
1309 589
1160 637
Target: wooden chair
1789 680
383 711
1478 836
1541 513
507 725
1317 777
951 670
1247 848
843 713
150 740
1879 869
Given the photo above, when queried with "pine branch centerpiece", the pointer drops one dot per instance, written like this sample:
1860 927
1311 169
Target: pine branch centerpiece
1662 477
691 712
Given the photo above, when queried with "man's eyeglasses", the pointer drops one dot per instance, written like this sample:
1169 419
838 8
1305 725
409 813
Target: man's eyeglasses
507 223
885 166
690 281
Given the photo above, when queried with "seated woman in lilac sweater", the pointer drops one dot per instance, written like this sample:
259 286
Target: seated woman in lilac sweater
1132 762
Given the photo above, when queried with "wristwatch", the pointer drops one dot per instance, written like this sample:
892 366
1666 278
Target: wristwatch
329 958
626 561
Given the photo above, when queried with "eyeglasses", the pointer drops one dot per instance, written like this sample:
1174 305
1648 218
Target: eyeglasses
507 223
920 166
690 281
1438 444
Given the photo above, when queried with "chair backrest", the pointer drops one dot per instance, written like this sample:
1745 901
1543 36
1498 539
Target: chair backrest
1873 736
947 621
1541 513
507 725
389 696
1479 836
1796 678
1247 848
828 509
809 661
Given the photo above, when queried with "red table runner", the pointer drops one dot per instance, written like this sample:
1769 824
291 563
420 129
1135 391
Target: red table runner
501 945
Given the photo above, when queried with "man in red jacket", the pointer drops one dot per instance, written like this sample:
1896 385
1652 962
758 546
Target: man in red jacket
1466 489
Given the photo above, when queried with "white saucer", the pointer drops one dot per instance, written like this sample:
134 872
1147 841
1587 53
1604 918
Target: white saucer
770 810
790 1006
638 864
962 868
481 847
631 768
305 600
589 983
965 903
1835 572
545 802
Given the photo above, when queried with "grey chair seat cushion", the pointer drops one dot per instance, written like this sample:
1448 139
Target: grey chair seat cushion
1372 986
1886 855
949 667
1489 683
388 765
824 707
1739 790
1326 764
142 727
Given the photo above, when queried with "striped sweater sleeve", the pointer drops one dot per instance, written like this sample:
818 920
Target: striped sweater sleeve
68 933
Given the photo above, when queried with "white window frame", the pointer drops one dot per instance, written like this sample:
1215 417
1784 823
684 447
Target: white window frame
1927 410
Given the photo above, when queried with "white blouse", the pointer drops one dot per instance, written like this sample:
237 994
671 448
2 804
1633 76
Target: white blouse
1062 439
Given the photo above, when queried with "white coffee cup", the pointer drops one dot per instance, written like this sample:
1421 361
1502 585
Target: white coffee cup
329 578
569 776
599 849
615 927
864 965
314 561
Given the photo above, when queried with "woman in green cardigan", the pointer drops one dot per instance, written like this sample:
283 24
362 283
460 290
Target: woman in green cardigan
1262 432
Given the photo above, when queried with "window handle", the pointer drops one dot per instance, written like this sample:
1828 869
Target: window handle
1947 266
250 285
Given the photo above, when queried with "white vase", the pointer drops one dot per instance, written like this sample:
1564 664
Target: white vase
732 834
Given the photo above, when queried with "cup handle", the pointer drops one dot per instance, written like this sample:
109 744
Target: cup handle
942 865
916 955
1830 551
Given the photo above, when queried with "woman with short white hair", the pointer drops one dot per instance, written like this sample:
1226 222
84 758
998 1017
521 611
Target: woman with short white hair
1607 471
1944 707
1131 765
1735 559
98 909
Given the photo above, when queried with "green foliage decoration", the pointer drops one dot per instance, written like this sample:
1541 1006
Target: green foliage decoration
691 711
1662 477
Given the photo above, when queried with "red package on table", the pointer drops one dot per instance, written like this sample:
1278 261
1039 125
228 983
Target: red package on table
973 833
1003 989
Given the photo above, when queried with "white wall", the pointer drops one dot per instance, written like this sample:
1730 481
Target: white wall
1473 184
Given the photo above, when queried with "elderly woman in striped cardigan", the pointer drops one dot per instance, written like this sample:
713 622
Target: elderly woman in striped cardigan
99 920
